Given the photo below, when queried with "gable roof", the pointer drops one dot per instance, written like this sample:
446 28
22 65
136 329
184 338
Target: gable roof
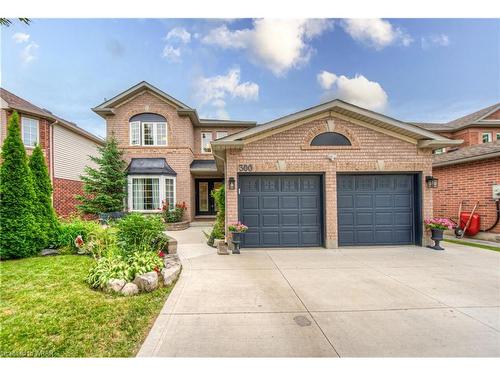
477 118
14 102
346 110
467 154
107 108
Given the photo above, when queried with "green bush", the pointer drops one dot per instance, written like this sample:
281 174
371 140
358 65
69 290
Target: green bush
108 268
19 230
102 242
44 210
218 231
136 232
73 227
145 261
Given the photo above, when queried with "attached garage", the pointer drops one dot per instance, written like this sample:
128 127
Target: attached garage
281 210
377 209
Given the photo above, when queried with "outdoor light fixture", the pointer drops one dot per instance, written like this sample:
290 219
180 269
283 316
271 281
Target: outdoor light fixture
432 182
231 183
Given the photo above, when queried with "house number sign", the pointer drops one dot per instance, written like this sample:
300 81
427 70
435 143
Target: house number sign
245 167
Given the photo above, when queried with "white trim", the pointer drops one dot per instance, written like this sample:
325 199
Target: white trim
209 143
154 130
490 137
130 124
37 131
219 132
161 190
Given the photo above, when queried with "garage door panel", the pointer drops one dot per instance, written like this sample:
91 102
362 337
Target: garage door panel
375 209
285 210
269 202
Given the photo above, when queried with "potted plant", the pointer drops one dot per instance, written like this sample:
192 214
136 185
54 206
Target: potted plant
236 230
438 225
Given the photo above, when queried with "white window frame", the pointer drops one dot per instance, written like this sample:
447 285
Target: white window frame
221 132
37 122
131 125
161 190
155 126
498 136
489 135
439 151
201 142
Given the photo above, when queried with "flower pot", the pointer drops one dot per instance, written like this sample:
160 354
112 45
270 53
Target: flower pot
436 236
236 240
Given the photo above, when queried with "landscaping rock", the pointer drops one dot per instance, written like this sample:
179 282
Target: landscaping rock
115 285
129 289
170 274
147 281
47 252
171 260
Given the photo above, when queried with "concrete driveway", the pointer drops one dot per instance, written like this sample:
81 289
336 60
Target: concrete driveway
371 302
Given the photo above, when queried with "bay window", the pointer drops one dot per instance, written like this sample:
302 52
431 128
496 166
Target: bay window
146 192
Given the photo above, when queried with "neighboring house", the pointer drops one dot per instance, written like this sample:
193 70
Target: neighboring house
479 127
334 174
65 145
469 171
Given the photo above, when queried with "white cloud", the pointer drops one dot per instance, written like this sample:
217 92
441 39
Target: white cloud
21 37
213 91
28 52
376 32
326 79
179 34
277 44
358 90
171 53
439 40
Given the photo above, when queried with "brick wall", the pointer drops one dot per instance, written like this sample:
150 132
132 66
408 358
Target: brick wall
494 116
372 151
197 138
64 196
471 182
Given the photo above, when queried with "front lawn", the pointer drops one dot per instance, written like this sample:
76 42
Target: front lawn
47 310
473 244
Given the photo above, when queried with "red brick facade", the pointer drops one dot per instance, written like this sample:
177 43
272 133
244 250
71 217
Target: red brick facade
64 196
289 151
471 182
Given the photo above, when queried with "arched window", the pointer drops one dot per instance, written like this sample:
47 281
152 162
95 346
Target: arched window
330 139
148 129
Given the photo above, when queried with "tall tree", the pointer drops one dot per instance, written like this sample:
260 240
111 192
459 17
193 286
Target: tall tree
18 228
45 214
104 186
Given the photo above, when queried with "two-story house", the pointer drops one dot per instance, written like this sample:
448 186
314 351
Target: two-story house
469 171
334 174
66 147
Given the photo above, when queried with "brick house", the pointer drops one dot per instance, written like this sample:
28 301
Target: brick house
470 170
66 147
334 174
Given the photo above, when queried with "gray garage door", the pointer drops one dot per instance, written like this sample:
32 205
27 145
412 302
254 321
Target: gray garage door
375 209
281 210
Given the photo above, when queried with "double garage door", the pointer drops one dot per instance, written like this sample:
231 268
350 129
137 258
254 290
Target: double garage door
287 210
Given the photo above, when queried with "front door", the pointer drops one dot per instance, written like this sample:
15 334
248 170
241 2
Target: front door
205 204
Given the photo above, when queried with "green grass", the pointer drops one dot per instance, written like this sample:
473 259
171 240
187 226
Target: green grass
47 310
480 245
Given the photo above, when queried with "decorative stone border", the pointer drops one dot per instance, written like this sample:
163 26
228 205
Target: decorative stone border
148 281
172 246
181 225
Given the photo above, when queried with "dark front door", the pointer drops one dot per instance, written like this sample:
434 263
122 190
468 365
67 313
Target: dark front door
377 209
281 210
205 204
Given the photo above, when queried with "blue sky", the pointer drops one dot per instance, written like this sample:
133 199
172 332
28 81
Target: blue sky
422 70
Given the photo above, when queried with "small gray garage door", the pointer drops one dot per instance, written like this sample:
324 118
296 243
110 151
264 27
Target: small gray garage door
281 210
375 209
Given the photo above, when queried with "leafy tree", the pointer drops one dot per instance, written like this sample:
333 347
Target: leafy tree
44 211
7 22
18 228
104 186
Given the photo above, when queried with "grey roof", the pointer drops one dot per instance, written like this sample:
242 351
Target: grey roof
203 164
475 118
468 154
150 166
343 108
19 104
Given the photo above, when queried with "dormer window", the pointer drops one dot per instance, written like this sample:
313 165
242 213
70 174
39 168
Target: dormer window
148 129
330 139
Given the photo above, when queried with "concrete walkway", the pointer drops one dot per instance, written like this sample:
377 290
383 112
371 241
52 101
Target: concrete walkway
369 302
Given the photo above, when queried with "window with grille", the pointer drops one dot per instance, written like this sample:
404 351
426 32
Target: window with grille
169 192
146 192
30 131
206 138
148 130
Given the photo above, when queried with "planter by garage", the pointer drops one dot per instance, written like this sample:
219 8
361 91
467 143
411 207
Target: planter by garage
181 225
